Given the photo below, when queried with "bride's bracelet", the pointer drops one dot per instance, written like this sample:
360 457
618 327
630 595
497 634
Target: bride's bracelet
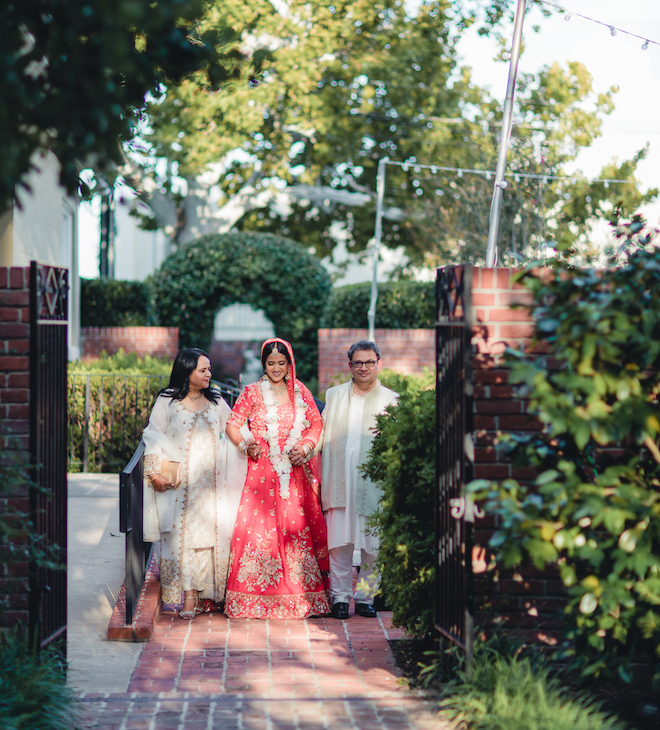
308 450
243 447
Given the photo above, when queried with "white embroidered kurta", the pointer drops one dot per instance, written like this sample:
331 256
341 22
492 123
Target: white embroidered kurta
347 527
193 523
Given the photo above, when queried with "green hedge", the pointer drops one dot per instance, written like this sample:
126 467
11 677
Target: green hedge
402 462
401 305
269 272
113 303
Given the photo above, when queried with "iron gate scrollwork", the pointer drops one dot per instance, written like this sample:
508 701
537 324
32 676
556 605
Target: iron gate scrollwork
454 457
49 291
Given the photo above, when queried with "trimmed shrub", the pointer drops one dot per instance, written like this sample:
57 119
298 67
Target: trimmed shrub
401 305
113 303
113 397
269 272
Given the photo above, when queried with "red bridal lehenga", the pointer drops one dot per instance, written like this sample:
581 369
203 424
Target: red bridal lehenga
279 554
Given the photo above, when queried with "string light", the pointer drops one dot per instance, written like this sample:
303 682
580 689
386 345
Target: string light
460 171
612 28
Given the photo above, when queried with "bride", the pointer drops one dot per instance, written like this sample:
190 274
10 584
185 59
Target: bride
279 554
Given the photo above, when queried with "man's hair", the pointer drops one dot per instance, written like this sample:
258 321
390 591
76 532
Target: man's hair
364 345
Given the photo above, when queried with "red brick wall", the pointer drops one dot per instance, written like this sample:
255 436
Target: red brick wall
154 341
530 601
14 428
406 351
227 357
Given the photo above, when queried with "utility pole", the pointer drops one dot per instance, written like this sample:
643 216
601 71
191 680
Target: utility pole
505 136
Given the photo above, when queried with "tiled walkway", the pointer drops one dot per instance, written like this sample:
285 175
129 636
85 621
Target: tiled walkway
267 675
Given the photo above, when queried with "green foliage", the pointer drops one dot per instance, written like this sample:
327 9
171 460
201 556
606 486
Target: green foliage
33 691
123 363
405 382
402 462
269 272
74 77
19 540
114 303
110 400
595 506
517 692
401 305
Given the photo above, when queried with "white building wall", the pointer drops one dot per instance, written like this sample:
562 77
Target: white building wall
45 229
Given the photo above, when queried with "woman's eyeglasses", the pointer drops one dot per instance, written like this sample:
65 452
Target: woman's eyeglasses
363 363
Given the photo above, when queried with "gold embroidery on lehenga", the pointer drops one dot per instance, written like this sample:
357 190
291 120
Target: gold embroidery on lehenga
303 568
258 568
244 605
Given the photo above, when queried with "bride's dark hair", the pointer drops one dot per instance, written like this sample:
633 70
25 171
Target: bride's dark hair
185 363
268 349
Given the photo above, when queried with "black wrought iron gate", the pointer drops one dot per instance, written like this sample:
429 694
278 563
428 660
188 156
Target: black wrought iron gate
454 456
48 443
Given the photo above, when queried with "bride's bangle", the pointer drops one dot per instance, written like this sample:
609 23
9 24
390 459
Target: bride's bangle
243 447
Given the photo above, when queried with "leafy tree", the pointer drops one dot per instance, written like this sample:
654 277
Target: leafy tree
75 75
595 507
558 116
342 85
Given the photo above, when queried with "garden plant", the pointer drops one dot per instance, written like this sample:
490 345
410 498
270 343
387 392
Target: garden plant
594 509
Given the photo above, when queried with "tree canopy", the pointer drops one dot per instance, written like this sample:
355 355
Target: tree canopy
342 84
74 76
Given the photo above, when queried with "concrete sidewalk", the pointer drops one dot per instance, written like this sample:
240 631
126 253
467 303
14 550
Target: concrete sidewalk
95 575
214 672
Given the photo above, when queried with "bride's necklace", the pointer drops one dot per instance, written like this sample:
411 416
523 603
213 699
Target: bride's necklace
278 387
194 400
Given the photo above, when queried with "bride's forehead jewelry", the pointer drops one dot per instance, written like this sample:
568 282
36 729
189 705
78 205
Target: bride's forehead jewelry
275 351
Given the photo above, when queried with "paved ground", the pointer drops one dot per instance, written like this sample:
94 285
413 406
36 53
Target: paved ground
218 673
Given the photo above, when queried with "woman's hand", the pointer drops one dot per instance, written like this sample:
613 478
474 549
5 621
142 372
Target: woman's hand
254 450
297 455
160 484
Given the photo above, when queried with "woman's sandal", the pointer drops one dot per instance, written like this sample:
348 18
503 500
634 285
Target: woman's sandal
190 615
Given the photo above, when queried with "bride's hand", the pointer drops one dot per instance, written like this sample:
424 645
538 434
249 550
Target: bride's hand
254 450
297 455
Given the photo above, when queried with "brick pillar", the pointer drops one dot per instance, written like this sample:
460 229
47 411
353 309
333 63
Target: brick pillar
14 433
528 600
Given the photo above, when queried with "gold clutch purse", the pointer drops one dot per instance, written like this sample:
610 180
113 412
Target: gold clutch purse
171 471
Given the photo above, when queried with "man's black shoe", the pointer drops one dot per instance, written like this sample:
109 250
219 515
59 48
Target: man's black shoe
339 610
364 609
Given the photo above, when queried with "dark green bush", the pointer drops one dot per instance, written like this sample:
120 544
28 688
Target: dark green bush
113 303
269 272
401 305
33 691
402 462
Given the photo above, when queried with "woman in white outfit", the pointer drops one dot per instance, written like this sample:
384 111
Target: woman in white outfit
193 481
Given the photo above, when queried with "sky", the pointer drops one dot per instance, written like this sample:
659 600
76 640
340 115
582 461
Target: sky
612 60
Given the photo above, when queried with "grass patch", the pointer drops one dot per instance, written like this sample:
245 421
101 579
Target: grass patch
33 693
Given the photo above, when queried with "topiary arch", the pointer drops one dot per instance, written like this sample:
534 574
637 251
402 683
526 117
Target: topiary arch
269 272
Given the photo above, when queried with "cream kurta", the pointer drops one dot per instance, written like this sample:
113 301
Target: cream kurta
345 526
193 523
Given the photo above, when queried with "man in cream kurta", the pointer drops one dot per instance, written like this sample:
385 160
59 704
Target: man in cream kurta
348 497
